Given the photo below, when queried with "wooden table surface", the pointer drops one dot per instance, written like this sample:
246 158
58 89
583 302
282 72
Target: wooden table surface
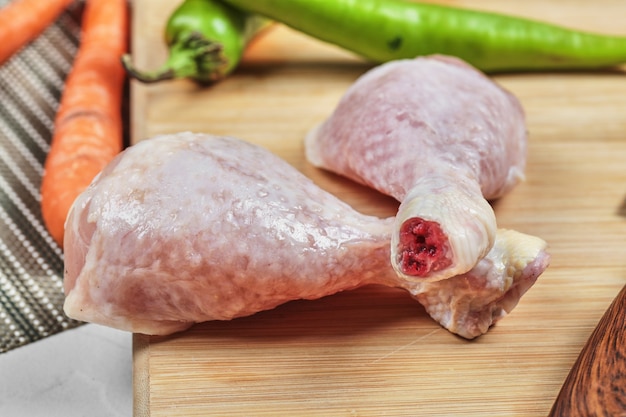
374 351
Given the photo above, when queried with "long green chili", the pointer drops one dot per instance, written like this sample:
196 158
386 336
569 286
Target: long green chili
206 40
383 30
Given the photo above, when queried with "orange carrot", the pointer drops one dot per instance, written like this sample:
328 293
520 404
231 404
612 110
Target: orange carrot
21 21
88 130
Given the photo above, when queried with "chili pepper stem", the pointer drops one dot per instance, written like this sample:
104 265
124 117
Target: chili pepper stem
191 55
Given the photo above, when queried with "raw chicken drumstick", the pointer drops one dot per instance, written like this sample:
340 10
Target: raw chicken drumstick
186 228
441 138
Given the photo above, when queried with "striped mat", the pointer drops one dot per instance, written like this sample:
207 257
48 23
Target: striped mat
31 263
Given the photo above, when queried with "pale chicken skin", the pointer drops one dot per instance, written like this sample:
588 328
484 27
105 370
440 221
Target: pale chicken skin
188 228
185 228
441 138
468 304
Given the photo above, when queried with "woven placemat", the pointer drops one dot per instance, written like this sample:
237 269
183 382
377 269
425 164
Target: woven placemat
31 263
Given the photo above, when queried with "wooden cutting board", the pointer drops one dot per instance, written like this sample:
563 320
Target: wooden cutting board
374 351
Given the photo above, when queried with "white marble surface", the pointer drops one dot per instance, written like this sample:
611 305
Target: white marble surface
85 371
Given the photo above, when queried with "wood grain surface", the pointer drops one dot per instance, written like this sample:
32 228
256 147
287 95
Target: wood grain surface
374 351
596 384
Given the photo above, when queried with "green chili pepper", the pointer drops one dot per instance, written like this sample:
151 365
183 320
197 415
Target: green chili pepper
206 40
393 29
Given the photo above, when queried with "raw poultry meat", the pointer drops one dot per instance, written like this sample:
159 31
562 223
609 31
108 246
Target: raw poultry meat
468 304
188 228
441 138
185 228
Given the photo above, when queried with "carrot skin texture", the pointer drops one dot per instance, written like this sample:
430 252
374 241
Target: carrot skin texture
21 21
88 128
381 31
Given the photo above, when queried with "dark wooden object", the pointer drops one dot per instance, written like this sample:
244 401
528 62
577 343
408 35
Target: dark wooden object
596 384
